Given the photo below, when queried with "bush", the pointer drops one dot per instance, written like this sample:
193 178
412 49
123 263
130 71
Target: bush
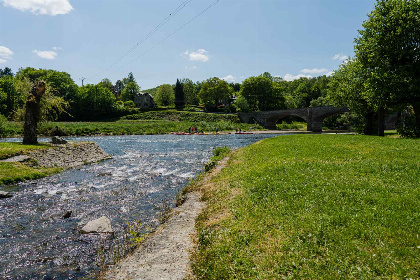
406 124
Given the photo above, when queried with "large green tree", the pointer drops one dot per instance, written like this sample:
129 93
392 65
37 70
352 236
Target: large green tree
190 92
179 95
262 94
388 47
93 102
165 95
347 88
214 92
130 91
61 84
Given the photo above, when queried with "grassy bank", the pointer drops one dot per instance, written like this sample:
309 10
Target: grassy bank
130 127
313 206
12 172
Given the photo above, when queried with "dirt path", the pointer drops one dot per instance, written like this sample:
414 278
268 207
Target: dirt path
164 254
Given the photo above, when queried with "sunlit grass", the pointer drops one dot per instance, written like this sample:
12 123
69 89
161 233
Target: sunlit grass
10 149
314 206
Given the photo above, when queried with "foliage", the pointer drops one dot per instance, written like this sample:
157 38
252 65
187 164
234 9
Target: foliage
165 95
347 89
262 94
242 104
93 102
172 115
406 125
388 47
214 92
322 207
190 92
6 72
179 95
61 84
129 92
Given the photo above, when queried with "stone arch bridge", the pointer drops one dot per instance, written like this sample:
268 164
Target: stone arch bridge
313 116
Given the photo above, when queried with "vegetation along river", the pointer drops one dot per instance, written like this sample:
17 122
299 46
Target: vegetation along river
134 188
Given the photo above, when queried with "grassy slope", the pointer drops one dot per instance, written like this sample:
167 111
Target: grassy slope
314 206
16 172
153 122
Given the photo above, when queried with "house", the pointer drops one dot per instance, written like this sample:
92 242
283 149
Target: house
144 101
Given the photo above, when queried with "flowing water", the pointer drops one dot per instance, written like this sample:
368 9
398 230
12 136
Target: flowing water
135 187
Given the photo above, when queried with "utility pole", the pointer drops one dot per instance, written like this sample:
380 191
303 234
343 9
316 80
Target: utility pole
82 78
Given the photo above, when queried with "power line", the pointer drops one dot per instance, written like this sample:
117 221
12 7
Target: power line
162 23
188 22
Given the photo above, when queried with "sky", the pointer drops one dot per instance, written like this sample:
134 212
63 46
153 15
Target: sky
162 40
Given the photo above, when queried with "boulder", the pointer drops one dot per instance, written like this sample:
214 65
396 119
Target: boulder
101 225
5 194
58 140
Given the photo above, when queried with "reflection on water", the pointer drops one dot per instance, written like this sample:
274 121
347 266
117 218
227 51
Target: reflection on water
137 184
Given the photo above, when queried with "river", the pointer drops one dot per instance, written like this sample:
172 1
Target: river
135 187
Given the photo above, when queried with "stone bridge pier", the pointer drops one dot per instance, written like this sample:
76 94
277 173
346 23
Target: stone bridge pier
314 116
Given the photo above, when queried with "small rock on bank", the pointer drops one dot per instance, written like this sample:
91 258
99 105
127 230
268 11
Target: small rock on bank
5 194
101 225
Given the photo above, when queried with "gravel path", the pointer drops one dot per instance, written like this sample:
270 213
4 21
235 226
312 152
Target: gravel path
165 253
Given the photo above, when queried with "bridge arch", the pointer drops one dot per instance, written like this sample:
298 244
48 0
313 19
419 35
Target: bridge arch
313 116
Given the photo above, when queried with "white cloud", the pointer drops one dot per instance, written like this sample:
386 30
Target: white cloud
314 71
5 54
191 67
329 73
340 56
57 49
290 77
229 78
41 7
46 54
199 55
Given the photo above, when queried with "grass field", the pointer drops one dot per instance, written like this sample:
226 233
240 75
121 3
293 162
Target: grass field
16 172
313 207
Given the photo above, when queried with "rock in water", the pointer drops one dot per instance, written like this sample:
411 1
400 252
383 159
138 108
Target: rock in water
58 140
5 194
67 215
101 225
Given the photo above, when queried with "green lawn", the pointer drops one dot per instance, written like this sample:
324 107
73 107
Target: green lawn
312 207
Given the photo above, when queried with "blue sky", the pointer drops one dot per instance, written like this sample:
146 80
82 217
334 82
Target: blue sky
234 39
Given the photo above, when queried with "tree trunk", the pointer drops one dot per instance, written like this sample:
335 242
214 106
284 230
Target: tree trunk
369 127
32 112
416 108
381 122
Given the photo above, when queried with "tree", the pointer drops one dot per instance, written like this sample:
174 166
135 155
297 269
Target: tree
389 49
93 102
190 92
108 84
130 91
179 95
165 95
347 88
130 79
15 98
32 113
262 94
214 92
119 86
6 72
61 83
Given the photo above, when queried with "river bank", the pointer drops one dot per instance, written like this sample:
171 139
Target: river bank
133 190
27 162
312 206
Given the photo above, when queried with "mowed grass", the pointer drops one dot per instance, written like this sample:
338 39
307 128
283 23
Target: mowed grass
11 172
313 207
